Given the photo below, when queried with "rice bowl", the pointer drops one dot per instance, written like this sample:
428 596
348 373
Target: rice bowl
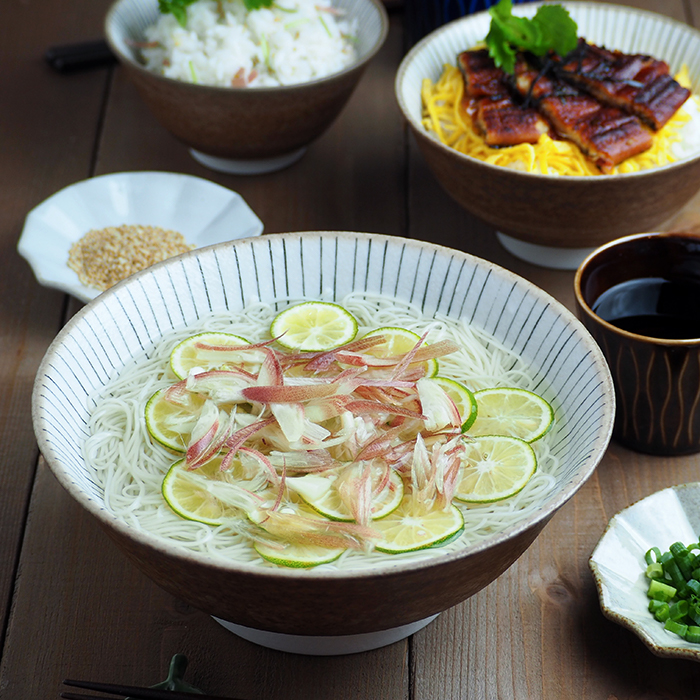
238 129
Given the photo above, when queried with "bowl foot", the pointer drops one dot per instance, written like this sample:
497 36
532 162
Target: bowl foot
253 166
325 646
542 255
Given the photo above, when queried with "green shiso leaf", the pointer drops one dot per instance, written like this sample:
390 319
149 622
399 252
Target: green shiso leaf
551 29
257 4
177 8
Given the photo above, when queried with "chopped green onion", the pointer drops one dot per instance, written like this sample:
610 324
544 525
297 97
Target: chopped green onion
677 611
325 26
674 589
659 610
677 627
661 591
653 555
296 23
677 578
265 51
678 549
694 586
192 72
655 570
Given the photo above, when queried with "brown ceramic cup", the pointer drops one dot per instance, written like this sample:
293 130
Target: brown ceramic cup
648 336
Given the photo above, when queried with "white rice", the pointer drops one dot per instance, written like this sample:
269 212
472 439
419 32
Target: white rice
224 44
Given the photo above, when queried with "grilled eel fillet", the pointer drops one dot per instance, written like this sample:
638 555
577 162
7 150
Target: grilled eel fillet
606 134
500 117
635 83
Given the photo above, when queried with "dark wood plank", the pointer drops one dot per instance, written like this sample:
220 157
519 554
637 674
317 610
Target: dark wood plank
47 134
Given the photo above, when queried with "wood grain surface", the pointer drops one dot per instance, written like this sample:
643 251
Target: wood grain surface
72 606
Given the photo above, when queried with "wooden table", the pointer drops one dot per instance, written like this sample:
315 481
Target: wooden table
72 606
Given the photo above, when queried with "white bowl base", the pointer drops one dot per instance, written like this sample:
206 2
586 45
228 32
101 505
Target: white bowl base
542 255
325 646
256 166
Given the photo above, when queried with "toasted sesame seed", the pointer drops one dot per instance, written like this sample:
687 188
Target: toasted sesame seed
103 257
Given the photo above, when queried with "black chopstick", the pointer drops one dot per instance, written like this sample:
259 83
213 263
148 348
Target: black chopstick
74 57
136 692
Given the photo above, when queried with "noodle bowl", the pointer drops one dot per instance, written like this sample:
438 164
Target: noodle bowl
102 339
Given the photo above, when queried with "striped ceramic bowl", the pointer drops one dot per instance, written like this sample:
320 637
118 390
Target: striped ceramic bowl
357 607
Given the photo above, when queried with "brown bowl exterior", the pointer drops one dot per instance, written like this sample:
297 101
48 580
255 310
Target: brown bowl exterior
241 123
244 123
562 212
657 382
322 605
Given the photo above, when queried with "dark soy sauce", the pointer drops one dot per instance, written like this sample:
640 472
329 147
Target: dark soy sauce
654 307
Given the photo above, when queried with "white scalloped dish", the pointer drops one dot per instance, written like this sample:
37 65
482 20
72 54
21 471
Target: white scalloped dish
618 565
202 211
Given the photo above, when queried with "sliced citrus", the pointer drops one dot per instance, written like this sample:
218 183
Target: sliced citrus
297 556
170 424
494 467
314 326
512 411
410 528
187 355
398 341
206 494
464 400
322 494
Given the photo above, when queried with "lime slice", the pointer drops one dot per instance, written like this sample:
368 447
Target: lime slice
314 326
410 528
464 400
297 556
399 341
171 424
193 494
511 411
322 495
186 355
494 467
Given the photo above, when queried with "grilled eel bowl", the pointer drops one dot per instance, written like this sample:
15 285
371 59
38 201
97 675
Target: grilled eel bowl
551 219
322 610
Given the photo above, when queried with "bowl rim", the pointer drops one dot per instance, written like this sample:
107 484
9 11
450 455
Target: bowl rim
218 89
661 650
172 550
593 316
604 178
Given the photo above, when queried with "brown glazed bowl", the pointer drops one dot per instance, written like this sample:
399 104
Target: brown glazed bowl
545 219
267 603
657 381
243 130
